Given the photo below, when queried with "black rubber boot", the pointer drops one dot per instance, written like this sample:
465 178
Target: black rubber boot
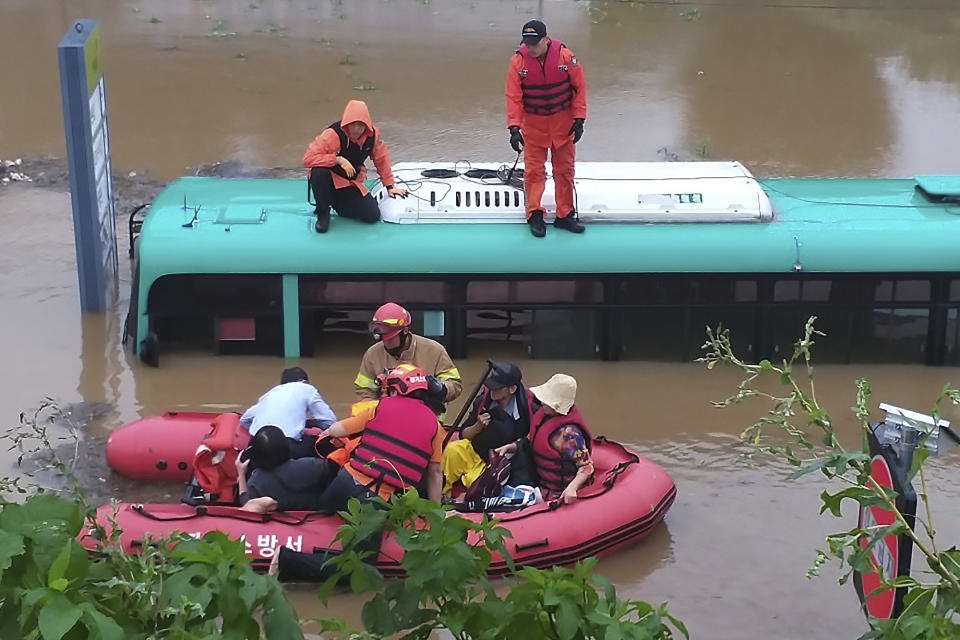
571 223
537 226
323 221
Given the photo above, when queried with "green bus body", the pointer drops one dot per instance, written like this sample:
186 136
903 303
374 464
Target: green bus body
855 230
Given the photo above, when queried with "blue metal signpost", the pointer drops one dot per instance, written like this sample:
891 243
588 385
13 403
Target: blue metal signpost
88 157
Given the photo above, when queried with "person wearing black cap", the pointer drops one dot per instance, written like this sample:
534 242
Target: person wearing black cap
546 107
500 414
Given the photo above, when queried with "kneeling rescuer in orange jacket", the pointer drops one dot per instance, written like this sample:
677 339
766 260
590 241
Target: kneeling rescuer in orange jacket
546 107
336 159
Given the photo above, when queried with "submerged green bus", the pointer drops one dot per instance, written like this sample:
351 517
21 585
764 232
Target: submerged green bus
670 248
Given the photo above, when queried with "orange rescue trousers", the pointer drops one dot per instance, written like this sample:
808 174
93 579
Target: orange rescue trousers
541 133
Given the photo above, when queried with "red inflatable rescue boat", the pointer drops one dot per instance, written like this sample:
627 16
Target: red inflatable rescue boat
163 447
628 497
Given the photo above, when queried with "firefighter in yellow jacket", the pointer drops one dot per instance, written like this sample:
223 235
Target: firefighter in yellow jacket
397 345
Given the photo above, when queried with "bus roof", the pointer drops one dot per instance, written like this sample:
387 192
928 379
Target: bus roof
239 225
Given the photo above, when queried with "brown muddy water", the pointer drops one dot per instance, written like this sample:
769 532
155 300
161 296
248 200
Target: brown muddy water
863 88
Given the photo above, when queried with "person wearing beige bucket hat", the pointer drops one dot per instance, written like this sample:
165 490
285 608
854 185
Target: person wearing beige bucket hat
560 440
559 392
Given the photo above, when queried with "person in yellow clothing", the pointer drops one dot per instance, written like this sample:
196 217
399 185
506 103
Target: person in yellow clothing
396 345
500 414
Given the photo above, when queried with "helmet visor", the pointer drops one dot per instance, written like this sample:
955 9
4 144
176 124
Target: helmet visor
386 329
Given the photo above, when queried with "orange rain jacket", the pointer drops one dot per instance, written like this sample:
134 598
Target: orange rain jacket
323 151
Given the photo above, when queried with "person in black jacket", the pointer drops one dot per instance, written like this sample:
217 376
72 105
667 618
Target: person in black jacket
499 415
279 482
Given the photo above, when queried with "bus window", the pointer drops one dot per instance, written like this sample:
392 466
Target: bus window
206 294
955 291
564 334
498 333
193 309
578 291
537 333
902 291
952 357
802 290
652 333
740 320
318 291
785 326
677 290
912 291
890 335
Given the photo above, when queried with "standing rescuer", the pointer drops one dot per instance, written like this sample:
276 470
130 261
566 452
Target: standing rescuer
546 107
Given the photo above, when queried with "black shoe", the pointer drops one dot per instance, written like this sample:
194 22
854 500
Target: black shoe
537 226
323 222
571 223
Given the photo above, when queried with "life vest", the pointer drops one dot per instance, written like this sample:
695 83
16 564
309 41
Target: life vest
546 86
397 443
214 462
502 431
554 471
356 154
342 449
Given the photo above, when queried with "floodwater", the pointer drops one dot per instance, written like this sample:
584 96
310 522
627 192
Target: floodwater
860 88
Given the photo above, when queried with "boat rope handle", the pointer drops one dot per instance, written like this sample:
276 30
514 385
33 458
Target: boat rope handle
531 545
233 515
608 481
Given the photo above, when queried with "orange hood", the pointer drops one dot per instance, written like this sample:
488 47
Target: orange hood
356 111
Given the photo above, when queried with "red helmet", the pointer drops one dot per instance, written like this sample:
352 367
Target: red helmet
404 378
389 320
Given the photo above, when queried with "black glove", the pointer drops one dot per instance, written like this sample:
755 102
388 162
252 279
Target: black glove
516 139
576 130
436 388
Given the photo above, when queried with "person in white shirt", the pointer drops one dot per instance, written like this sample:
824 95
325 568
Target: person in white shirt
286 406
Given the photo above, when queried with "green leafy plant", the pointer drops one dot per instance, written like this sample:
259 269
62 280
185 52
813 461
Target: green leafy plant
179 587
799 431
446 558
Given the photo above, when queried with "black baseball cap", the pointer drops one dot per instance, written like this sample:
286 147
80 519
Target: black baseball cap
533 31
502 374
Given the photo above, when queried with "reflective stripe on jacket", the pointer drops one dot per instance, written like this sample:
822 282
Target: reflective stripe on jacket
422 352
555 472
397 443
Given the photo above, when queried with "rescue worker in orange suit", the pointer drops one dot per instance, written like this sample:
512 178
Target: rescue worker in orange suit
336 163
546 108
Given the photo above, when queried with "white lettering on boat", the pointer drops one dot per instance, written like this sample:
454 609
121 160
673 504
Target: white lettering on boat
880 553
267 543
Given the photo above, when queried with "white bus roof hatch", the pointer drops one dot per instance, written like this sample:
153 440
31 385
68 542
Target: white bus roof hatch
642 192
